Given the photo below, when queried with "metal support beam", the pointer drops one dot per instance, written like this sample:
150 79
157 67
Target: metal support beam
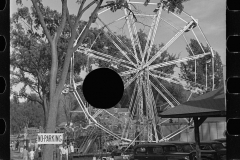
197 123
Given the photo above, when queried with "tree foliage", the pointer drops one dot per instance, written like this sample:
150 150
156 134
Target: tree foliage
25 114
188 69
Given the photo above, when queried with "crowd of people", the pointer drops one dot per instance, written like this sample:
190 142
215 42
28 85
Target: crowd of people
32 154
64 151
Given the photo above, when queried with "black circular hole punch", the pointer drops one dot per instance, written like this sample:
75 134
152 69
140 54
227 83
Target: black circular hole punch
233 85
231 5
2 126
103 88
233 127
2 5
2 43
233 44
2 85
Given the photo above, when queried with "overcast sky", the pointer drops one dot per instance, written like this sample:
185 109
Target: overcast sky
211 15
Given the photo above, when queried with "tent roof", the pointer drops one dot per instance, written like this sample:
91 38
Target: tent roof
209 104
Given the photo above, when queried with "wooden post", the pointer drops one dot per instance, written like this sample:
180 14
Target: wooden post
197 139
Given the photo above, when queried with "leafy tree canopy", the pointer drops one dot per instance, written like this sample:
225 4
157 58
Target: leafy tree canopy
187 70
25 114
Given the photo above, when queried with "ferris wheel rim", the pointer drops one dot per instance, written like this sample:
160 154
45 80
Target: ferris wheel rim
136 69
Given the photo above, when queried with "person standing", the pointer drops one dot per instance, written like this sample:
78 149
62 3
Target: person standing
71 148
39 153
66 152
13 146
58 153
60 150
25 153
36 154
31 154
17 145
35 146
63 153
71 151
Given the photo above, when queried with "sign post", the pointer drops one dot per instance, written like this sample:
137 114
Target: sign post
50 138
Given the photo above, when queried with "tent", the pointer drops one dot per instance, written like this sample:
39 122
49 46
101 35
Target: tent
211 104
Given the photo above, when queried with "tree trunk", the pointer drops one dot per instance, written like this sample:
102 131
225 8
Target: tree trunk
45 109
50 128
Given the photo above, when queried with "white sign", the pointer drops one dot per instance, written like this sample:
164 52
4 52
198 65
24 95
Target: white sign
50 138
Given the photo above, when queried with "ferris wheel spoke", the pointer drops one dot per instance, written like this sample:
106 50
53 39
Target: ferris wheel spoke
175 79
130 108
130 81
152 104
134 94
163 64
133 31
111 61
131 71
154 33
140 108
153 25
97 113
148 100
165 89
134 110
96 54
169 102
151 96
166 46
121 51
102 11
166 79
119 40
132 39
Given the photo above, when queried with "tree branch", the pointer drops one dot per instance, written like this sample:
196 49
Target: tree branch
79 15
69 20
81 10
70 50
38 88
88 6
63 21
40 16
28 97
91 19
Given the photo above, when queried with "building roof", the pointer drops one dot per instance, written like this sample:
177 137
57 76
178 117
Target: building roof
209 104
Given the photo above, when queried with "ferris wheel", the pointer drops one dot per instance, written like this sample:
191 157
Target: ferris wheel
139 69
